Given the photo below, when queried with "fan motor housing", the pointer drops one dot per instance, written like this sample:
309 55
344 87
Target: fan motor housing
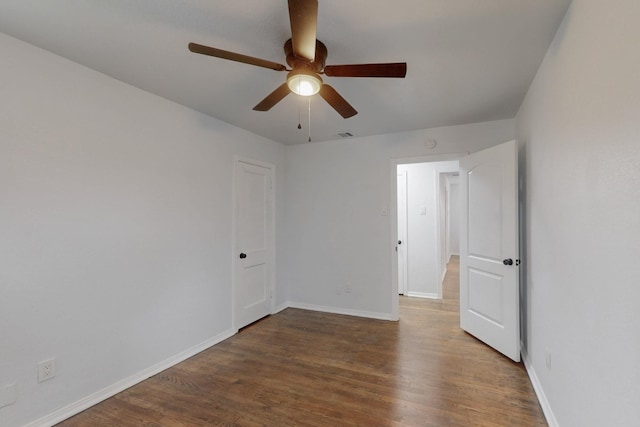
295 62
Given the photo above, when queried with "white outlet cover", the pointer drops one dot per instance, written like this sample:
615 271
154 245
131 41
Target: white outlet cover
46 370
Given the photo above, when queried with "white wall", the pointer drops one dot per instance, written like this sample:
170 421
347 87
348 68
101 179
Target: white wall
115 225
579 127
335 195
425 243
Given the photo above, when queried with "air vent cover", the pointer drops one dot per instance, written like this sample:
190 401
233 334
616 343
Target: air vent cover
345 134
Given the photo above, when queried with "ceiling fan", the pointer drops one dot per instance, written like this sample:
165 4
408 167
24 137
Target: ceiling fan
306 56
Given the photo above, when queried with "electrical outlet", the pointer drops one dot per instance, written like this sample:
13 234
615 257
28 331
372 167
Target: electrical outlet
347 288
46 370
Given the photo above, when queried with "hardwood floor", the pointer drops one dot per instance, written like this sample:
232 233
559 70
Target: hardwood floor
306 368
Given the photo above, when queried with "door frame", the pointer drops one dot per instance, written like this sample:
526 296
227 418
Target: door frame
235 232
399 248
393 217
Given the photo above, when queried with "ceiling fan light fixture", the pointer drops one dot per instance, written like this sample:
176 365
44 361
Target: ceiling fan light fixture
304 83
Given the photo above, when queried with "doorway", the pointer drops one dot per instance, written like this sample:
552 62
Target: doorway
449 218
421 224
489 291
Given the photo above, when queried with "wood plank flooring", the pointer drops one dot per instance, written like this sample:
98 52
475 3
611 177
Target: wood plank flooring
306 368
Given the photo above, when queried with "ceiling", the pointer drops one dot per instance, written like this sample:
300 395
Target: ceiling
467 60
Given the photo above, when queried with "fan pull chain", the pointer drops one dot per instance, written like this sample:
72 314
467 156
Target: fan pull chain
299 121
309 119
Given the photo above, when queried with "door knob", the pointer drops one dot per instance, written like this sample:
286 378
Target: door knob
399 242
243 255
507 261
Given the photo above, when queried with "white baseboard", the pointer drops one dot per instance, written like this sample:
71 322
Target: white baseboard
537 387
337 310
422 295
107 392
280 307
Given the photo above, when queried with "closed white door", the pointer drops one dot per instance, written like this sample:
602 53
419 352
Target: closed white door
401 246
254 242
489 287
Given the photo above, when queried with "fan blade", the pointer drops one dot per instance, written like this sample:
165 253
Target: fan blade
303 15
338 103
397 69
232 56
273 98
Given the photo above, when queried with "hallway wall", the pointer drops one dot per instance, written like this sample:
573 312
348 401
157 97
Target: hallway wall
425 242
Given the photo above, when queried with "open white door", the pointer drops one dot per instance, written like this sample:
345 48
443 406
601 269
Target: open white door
254 242
489 287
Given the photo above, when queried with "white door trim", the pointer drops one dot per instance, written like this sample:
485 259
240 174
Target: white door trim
393 217
401 248
235 250
438 233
